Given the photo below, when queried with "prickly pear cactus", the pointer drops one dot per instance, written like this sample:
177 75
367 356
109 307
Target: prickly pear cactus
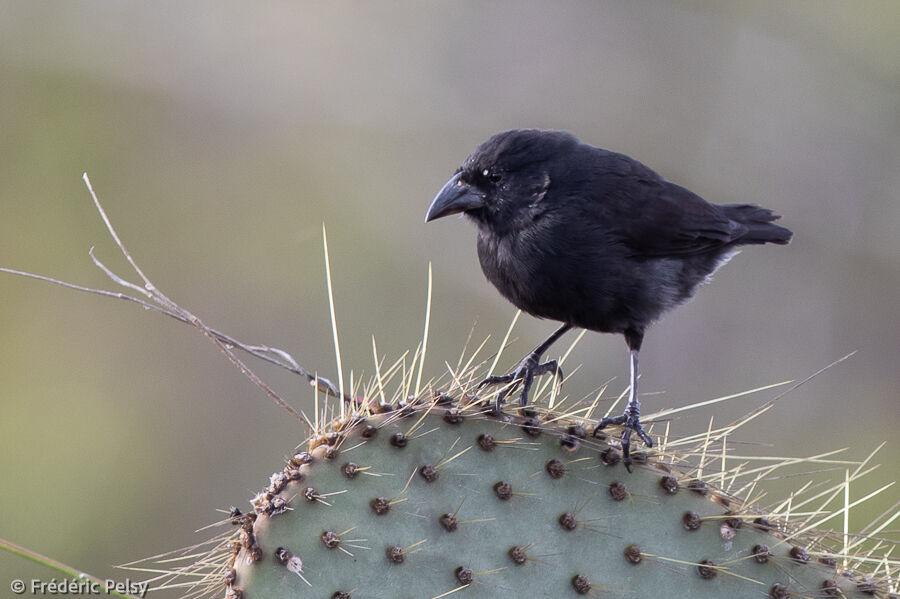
437 498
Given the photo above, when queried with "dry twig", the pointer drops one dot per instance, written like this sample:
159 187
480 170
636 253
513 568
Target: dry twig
156 300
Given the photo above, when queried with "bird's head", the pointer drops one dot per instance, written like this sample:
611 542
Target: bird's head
505 179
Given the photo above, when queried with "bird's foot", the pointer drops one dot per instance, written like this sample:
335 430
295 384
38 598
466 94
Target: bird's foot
523 374
631 421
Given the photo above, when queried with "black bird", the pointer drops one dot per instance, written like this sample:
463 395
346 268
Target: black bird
592 239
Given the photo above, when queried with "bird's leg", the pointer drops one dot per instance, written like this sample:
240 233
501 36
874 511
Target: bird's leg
530 367
631 418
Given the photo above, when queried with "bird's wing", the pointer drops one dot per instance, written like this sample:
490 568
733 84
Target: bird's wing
664 219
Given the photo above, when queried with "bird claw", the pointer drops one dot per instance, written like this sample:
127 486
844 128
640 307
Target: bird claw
522 374
631 421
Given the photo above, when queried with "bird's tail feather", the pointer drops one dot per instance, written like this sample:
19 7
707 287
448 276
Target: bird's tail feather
759 224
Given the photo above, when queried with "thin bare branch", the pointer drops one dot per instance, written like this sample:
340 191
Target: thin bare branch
159 302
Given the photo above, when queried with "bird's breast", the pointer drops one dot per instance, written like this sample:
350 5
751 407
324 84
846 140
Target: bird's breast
507 267
555 274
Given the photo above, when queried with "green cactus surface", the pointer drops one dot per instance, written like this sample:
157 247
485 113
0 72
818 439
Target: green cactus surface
437 498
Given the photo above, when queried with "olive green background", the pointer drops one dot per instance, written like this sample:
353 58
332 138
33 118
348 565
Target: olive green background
221 136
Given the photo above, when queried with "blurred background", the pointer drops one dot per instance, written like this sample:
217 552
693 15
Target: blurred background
221 136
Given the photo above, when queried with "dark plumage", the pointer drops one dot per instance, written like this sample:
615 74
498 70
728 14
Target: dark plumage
591 238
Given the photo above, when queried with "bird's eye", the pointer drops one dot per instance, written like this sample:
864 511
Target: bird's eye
493 176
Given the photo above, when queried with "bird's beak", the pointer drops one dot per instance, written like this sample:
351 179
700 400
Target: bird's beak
455 196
